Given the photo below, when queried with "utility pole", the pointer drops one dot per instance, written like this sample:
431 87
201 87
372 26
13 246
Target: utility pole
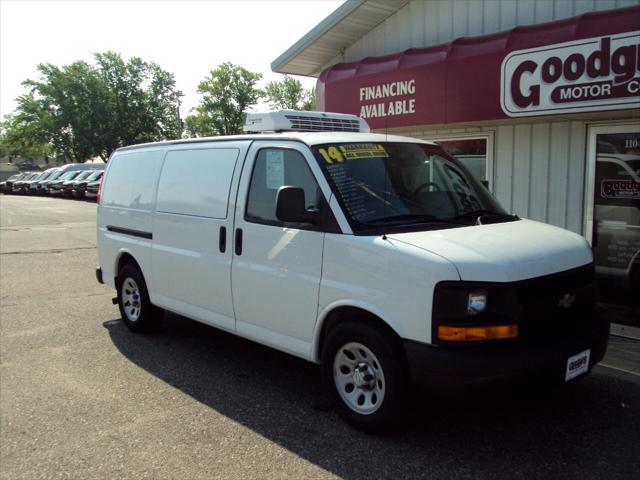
180 126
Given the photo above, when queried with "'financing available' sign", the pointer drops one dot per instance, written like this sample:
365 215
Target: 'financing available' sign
601 73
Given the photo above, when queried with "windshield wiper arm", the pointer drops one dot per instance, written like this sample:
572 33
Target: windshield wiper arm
482 212
414 218
402 217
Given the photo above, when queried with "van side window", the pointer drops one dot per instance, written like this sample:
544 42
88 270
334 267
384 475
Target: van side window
273 169
132 178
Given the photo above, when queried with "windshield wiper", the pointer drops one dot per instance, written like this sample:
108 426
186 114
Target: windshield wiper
413 218
401 218
483 212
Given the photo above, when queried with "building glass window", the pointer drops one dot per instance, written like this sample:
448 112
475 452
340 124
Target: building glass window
616 220
473 153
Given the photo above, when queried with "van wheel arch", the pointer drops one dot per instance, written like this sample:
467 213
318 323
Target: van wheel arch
126 259
354 314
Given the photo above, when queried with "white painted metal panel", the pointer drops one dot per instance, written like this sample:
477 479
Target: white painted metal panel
559 164
460 19
544 11
582 7
508 13
539 180
475 24
503 172
416 25
525 14
491 16
605 4
445 21
521 169
430 23
197 182
423 23
576 184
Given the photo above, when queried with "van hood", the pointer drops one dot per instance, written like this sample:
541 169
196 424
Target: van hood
504 252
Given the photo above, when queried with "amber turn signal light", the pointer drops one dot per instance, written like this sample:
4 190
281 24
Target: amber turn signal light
473 334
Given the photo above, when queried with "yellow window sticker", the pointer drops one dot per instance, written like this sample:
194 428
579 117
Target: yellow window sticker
352 151
363 150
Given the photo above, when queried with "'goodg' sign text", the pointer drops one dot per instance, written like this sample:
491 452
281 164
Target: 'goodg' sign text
600 73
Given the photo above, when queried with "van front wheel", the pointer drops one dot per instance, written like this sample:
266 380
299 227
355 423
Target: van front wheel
364 376
138 314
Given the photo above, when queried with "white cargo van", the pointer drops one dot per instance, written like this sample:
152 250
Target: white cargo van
379 257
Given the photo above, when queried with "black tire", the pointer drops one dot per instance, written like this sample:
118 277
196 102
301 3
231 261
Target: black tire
388 353
141 317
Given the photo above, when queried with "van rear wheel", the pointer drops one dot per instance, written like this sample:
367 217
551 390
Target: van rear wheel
364 374
138 314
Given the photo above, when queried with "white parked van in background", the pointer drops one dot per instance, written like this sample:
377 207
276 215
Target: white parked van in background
380 257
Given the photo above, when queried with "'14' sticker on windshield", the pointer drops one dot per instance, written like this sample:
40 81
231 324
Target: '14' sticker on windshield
352 151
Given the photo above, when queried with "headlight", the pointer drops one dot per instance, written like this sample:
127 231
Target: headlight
477 302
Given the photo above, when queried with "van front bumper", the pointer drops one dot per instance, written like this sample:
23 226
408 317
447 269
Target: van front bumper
509 359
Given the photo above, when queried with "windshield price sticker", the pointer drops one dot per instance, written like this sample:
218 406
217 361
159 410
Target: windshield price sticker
352 151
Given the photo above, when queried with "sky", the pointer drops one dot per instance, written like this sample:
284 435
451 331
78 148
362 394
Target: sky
187 38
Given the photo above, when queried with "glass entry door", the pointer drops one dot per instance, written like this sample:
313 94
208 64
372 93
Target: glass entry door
614 226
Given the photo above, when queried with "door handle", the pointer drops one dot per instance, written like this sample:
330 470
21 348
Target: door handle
222 241
238 241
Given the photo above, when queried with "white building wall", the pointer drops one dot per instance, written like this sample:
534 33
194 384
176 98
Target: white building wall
538 169
423 23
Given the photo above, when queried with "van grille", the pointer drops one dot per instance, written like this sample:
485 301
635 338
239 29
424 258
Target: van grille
315 124
543 314
555 285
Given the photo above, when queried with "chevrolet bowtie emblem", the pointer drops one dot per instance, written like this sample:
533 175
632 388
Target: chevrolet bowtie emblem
566 300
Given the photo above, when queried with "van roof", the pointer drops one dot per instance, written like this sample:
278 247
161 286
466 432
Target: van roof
309 138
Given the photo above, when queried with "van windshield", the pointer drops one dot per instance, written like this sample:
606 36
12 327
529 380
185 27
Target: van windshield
392 187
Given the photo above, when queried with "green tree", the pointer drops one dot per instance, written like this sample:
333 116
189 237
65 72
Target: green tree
309 103
84 110
19 137
68 104
143 104
227 92
288 94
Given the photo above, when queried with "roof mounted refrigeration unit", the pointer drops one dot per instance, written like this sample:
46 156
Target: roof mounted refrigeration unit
294 121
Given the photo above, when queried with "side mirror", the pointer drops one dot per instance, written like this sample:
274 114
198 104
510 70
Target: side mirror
290 206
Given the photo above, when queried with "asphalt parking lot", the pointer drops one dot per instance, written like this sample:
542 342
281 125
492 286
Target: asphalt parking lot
81 397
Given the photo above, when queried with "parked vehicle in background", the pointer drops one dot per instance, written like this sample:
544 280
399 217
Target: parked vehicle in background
7 186
3 185
33 184
91 192
21 185
55 187
67 186
80 186
43 186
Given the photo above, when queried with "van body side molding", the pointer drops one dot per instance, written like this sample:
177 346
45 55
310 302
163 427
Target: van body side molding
129 231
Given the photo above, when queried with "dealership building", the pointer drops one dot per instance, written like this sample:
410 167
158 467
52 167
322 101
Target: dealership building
540 98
